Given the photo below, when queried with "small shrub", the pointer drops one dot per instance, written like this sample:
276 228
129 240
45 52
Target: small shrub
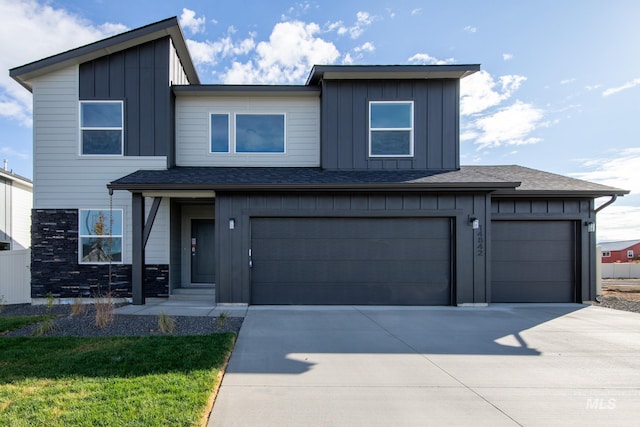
44 327
50 300
104 311
222 318
166 324
77 307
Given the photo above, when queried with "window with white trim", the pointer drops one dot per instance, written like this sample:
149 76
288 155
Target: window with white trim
101 128
606 254
629 253
391 129
100 236
247 133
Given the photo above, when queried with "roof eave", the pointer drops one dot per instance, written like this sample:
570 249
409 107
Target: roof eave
350 72
245 90
560 193
457 187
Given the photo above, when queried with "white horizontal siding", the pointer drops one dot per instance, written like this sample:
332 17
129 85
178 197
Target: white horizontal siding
65 180
302 130
21 201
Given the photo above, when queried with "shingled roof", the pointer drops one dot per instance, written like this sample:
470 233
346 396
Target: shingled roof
500 179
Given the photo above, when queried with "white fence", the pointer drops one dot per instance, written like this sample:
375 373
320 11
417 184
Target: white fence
623 270
15 277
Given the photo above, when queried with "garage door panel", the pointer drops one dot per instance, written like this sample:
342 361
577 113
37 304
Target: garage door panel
533 261
349 271
533 251
541 271
351 261
351 249
364 293
535 292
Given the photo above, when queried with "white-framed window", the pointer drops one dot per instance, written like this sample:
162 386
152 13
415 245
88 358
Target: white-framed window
253 133
100 236
630 253
101 128
606 254
390 128
219 131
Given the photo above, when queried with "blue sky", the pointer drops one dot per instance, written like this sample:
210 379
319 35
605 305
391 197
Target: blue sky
558 91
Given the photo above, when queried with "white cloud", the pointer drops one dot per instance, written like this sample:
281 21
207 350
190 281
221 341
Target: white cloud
208 52
618 222
567 81
188 21
620 170
628 85
470 29
507 56
480 91
417 11
293 48
366 47
347 59
363 20
44 31
509 126
592 87
426 59
10 152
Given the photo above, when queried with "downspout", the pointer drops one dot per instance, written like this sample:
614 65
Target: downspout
598 298
614 197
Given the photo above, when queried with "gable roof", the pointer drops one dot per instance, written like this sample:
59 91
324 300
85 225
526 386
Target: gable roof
350 72
168 27
618 246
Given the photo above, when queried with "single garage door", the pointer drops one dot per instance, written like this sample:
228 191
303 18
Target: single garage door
533 261
381 261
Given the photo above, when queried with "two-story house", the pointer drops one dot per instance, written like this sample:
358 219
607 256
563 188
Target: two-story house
345 190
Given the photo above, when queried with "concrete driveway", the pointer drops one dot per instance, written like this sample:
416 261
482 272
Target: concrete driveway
503 365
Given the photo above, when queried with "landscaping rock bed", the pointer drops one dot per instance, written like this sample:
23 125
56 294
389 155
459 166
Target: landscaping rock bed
84 325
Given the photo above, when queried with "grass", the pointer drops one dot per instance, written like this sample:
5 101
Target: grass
121 381
10 323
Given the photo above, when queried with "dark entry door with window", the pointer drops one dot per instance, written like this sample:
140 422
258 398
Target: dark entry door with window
203 268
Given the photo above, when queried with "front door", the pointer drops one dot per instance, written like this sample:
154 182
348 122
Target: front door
202 251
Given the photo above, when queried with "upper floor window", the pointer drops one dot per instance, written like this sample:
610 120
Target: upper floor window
250 133
100 232
101 128
391 129
219 133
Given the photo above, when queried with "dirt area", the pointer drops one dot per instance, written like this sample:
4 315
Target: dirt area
628 289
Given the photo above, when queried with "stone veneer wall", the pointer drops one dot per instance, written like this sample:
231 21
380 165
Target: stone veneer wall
55 267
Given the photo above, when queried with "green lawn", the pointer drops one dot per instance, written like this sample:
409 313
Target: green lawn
14 322
123 381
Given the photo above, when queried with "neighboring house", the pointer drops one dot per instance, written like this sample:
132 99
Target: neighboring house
16 201
345 190
624 251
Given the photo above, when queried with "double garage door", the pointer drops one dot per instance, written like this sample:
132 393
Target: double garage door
358 261
533 261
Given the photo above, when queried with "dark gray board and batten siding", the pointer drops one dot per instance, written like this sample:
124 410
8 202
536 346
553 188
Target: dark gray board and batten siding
138 76
468 277
345 123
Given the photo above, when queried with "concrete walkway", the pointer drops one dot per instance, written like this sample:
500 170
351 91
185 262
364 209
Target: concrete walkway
170 307
504 365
